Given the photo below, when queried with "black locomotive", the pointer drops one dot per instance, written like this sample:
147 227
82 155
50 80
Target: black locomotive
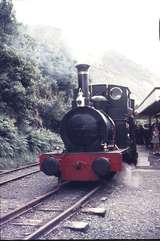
102 119
98 132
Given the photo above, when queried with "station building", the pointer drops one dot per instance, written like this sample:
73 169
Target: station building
150 107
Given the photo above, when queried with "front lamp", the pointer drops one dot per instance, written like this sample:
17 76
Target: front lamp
116 93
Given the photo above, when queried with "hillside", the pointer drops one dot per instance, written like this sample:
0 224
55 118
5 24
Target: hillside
35 86
116 68
111 68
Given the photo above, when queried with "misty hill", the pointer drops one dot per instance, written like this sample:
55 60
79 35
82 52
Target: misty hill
117 69
51 52
49 36
111 68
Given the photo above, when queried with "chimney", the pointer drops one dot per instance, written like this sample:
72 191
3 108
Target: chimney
83 80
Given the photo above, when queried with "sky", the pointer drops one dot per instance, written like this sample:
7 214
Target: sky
91 27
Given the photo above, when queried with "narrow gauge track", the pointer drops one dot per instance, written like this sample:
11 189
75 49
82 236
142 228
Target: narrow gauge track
57 210
18 169
25 208
12 175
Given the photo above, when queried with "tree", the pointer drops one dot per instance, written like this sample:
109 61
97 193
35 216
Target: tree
8 23
36 82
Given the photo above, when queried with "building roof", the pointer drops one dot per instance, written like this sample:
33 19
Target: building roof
150 106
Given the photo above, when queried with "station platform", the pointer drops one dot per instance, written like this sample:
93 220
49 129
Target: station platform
146 159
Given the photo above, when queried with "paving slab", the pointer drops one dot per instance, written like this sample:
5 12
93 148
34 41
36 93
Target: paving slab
143 155
75 225
146 159
98 211
104 198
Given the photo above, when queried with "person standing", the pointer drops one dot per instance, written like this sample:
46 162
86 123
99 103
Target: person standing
155 140
132 129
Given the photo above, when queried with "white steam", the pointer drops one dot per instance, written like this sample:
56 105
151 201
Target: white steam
129 177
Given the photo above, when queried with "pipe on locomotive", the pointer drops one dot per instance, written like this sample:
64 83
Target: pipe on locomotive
83 81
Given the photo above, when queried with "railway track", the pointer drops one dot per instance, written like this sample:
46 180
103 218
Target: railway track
18 169
13 175
51 209
25 208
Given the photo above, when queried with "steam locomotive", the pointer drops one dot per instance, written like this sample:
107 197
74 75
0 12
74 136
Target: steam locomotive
96 133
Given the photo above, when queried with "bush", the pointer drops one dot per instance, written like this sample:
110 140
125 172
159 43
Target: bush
12 144
7 127
42 140
17 148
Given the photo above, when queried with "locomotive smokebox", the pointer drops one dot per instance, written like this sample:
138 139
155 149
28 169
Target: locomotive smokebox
83 80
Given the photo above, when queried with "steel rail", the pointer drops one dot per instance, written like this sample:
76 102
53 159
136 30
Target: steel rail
25 208
55 221
18 169
16 178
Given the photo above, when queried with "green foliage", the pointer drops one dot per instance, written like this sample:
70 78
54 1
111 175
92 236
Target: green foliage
18 82
7 127
12 143
52 111
43 140
8 24
15 145
36 81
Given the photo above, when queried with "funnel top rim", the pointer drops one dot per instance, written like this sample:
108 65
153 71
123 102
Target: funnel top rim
82 67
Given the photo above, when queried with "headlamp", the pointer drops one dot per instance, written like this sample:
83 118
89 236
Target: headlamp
116 93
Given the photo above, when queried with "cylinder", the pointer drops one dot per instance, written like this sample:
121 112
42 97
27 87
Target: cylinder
83 79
